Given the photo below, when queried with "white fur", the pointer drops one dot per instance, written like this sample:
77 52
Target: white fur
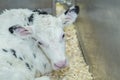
46 29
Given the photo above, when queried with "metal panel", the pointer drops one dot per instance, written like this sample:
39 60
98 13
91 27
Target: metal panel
99 34
48 5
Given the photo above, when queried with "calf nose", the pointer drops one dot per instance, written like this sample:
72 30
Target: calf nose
60 64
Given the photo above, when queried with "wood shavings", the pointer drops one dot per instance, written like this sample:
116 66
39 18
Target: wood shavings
77 70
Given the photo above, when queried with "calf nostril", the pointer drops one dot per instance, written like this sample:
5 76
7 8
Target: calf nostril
60 64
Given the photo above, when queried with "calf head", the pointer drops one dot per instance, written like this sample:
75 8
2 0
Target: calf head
49 33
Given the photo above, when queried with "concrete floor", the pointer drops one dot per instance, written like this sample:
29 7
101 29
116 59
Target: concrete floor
99 35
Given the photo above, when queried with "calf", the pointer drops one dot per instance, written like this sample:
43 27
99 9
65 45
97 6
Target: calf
22 32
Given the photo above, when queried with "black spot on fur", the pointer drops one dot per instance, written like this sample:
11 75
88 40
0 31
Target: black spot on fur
40 11
30 19
34 39
14 52
28 66
34 55
39 43
21 58
4 50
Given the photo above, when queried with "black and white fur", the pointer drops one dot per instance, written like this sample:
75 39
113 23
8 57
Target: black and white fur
22 31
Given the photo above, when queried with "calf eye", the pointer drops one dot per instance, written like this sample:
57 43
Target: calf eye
63 36
39 43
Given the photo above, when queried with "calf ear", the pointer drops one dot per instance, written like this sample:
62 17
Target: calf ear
20 31
70 15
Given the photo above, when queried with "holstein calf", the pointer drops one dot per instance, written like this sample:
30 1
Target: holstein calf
31 42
